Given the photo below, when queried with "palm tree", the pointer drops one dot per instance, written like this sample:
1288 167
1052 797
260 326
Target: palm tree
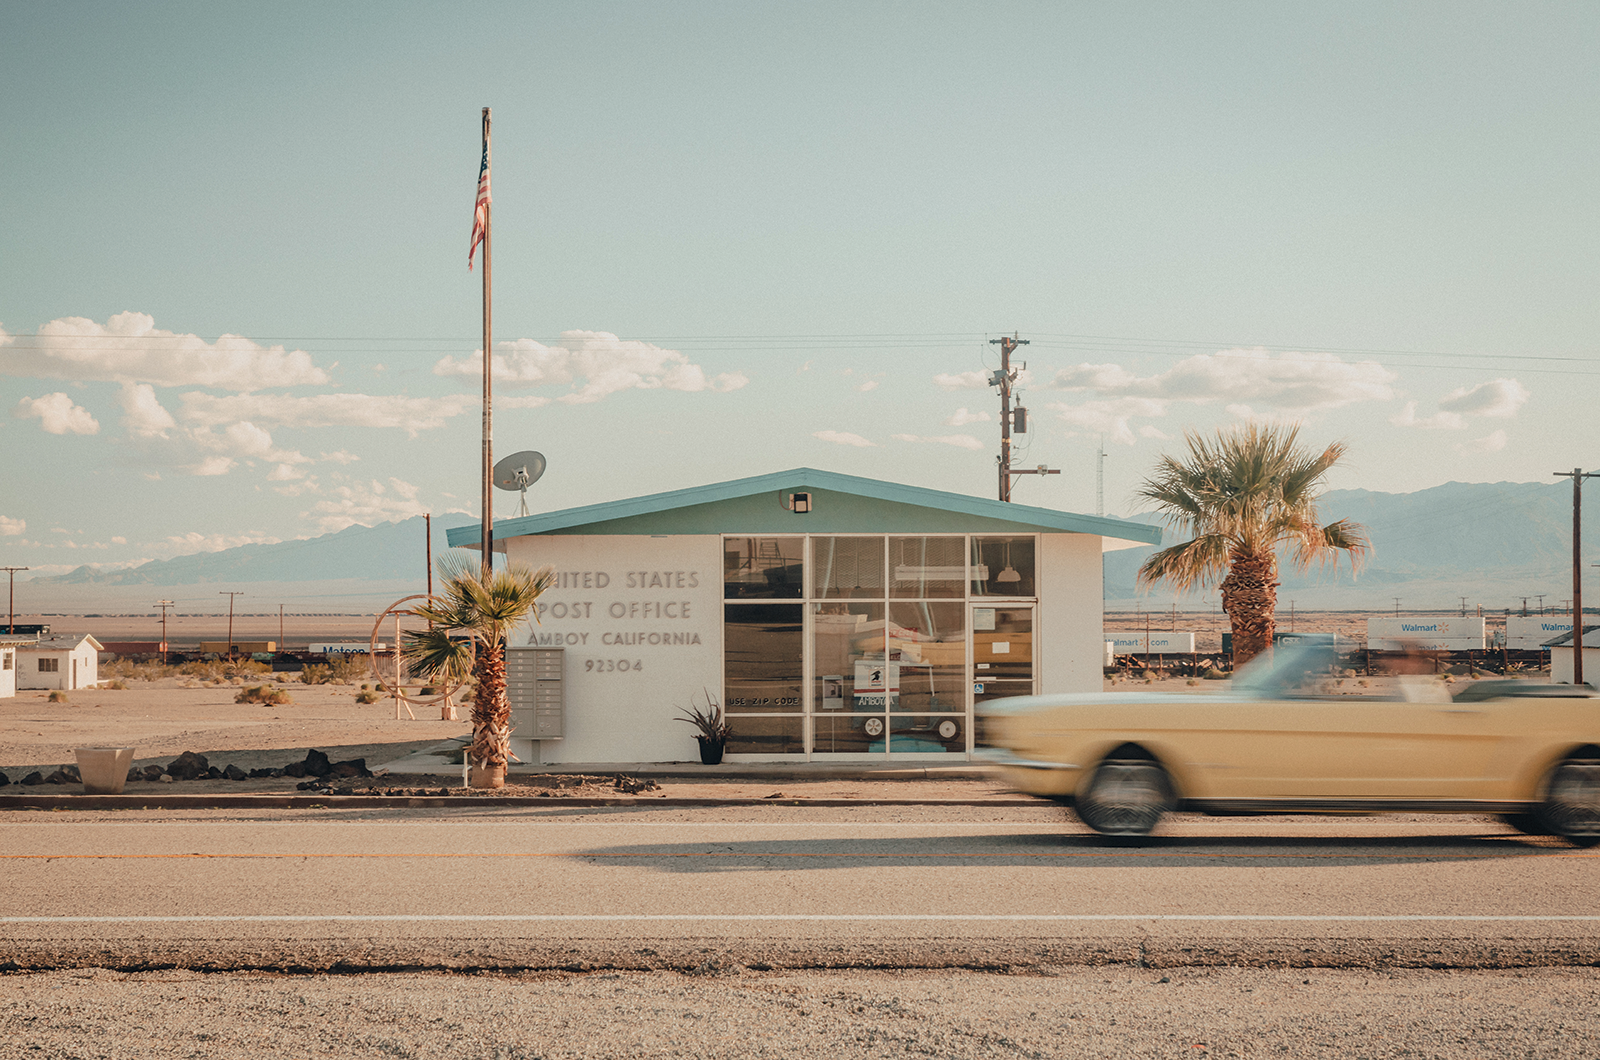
484 606
1242 496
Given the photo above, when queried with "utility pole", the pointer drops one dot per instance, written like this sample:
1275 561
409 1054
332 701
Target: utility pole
1100 478
11 610
1541 602
1463 607
163 604
1577 475
1005 378
1397 605
280 627
230 594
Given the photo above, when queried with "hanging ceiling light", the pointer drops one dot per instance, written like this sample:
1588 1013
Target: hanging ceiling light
1008 573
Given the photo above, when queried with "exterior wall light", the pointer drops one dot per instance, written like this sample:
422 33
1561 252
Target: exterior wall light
799 503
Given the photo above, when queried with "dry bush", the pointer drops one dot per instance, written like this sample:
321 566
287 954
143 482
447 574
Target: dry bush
205 670
117 684
56 697
348 669
366 695
275 697
315 674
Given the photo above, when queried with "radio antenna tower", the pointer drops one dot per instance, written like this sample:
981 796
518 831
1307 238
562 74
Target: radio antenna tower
1100 478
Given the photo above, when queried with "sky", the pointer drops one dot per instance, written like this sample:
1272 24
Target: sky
734 238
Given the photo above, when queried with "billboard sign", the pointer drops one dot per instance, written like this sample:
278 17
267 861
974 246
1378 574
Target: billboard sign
1425 634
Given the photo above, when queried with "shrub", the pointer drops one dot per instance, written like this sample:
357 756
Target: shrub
315 674
206 670
118 684
366 695
349 668
262 694
57 697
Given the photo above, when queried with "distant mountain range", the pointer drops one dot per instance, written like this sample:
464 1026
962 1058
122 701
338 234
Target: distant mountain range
1493 543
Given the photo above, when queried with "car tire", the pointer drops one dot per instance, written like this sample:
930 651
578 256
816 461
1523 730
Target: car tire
1125 797
1571 806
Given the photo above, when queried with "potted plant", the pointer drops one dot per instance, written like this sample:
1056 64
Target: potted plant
712 728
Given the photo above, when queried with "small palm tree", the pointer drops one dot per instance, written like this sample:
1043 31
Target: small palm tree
470 617
1242 496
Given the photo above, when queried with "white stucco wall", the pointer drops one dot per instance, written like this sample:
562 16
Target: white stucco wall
654 603
1071 628
87 673
1561 664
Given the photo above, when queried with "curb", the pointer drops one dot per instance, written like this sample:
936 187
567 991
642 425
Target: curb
355 802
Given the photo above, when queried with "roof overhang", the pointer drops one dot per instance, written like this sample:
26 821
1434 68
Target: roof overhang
842 504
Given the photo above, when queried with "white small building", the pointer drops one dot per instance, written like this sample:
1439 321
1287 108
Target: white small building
1560 649
8 663
61 660
833 618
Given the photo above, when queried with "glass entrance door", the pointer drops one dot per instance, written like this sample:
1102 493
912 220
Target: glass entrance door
1002 652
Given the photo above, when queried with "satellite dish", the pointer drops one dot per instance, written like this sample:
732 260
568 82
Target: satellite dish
519 471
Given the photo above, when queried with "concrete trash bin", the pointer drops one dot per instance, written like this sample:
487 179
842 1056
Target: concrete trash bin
104 769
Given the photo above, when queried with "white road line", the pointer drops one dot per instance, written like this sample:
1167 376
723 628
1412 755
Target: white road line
545 918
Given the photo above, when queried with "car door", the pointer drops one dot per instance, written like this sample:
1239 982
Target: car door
1338 747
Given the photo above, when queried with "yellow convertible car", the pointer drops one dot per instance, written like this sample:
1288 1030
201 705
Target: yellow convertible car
1271 744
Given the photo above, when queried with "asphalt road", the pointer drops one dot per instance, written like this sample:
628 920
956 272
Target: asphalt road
781 887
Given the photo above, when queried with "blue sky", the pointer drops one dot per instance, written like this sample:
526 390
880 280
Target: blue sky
733 238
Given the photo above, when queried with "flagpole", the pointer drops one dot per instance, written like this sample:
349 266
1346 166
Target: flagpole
488 412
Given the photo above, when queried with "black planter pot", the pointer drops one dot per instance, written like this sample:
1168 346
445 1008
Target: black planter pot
710 751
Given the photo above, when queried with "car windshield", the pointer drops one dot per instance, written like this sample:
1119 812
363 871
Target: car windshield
1289 667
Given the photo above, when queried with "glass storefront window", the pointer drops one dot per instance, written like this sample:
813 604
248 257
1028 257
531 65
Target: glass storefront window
763 658
1002 566
767 735
847 642
847 568
924 567
762 567
930 641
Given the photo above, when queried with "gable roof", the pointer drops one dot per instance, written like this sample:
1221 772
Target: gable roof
841 504
1590 640
62 642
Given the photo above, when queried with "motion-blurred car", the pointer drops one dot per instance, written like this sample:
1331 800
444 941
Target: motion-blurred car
1274 744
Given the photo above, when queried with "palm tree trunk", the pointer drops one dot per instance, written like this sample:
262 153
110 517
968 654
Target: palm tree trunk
1250 596
491 712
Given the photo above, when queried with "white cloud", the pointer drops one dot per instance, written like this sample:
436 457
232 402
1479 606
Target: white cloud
12 527
960 441
1157 433
285 473
129 348
961 380
367 504
961 417
142 411
192 542
870 384
522 401
604 363
119 541
1498 399
1113 418
57 414
843 438
340 456
412 414
1291 382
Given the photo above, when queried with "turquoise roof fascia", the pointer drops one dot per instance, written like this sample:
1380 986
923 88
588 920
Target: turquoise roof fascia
841 504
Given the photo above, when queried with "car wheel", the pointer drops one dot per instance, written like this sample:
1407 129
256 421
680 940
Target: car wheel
1125 797
1571 807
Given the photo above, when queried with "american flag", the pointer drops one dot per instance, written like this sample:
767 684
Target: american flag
480 211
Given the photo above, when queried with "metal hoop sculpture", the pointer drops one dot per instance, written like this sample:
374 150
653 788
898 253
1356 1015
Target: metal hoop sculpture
395 688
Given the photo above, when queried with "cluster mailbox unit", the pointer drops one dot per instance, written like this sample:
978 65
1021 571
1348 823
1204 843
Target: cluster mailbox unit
832 617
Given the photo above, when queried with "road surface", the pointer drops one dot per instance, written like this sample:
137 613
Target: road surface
781 887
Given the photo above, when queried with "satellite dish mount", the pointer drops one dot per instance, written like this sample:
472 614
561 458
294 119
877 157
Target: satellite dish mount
519 471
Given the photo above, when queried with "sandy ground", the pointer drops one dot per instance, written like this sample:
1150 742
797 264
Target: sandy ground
162 719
